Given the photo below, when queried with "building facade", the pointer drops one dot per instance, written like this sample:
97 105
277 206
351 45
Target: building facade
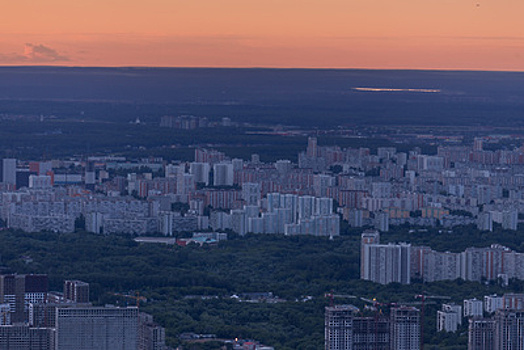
338 327
97 328
386 263
405 328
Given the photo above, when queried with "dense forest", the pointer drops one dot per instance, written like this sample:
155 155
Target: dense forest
53 139
52 112
189 289
301 97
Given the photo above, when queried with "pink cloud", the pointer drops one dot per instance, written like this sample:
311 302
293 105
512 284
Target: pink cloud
34 53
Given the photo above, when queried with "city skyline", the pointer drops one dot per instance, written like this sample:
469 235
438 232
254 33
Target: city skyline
409 34
247 204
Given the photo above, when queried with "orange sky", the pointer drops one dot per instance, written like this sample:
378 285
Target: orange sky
449 34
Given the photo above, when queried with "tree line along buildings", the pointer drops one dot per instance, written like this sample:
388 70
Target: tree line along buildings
387 263
457 186
34 318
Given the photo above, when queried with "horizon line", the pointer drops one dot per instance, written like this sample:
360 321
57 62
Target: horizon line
493 70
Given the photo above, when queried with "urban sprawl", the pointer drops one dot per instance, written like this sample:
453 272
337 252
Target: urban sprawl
458 186
215 195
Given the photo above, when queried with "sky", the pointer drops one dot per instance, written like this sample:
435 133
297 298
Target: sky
397 34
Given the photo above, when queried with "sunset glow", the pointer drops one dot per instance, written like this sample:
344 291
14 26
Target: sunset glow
418 34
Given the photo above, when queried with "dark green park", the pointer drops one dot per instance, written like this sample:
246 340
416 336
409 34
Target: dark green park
189 289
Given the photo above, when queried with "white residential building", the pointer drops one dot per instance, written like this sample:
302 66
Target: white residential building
492 303
472 307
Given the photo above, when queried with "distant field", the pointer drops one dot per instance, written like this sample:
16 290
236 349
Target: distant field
55 112
307 98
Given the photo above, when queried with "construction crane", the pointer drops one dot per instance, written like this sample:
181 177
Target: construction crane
374 303
377 303
423 298
137 298
375 307
417 303
331 295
